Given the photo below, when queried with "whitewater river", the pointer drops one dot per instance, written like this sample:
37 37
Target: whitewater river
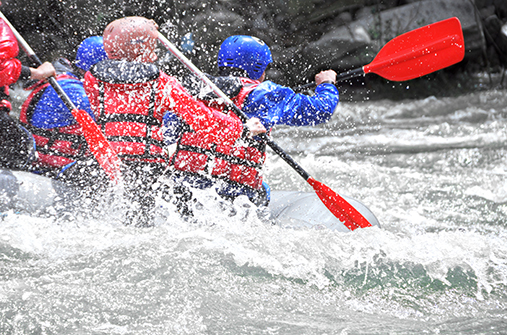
434 173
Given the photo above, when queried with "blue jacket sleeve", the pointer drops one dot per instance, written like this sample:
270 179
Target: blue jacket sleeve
51 112
275 104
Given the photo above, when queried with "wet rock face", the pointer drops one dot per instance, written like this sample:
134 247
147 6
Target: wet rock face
305 36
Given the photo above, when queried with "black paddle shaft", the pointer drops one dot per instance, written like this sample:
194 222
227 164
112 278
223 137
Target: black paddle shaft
276 148
340 77
283 155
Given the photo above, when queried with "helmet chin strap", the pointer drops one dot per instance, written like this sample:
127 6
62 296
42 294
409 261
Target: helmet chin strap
263 77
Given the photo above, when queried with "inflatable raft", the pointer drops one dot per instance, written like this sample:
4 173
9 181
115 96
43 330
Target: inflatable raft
25 192
305 209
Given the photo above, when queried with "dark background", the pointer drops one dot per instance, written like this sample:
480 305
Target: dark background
54 28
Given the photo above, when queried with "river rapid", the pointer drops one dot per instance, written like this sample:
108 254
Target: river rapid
433 171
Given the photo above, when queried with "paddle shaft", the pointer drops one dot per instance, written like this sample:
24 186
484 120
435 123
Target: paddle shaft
276 148
339 78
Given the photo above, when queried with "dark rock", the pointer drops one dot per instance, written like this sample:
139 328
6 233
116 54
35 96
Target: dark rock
492 28
343 18
496 42
494 60
501 44
484 3
487 11
501 8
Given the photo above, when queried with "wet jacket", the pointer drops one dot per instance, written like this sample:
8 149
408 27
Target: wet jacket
238 165
129 100
275 104
59 139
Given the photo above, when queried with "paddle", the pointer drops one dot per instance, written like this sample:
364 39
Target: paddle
345 212
414 54
99 146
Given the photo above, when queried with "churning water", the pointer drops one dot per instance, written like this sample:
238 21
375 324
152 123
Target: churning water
434 173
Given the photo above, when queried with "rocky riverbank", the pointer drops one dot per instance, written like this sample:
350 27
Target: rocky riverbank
305 36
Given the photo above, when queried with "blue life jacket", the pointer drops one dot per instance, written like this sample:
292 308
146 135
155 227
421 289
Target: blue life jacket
51 112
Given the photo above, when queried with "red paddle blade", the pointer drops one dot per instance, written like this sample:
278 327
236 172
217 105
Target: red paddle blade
98 144
340 208
420 51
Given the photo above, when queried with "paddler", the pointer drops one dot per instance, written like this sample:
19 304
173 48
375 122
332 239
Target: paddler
58 137
129 96
17 147
242 63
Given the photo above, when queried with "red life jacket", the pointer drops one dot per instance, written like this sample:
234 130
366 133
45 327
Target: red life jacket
126 113
4 95
56 147
10 67
239 164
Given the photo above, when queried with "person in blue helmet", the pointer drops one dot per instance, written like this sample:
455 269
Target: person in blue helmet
242 63
58 137
246 58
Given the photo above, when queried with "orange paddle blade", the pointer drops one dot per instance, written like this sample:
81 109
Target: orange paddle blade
420 51
340 208
98 144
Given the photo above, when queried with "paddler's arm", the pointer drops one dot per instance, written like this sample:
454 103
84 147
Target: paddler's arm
275 104
44 71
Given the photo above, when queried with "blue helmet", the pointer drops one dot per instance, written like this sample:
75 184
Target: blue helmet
245 52
90 52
